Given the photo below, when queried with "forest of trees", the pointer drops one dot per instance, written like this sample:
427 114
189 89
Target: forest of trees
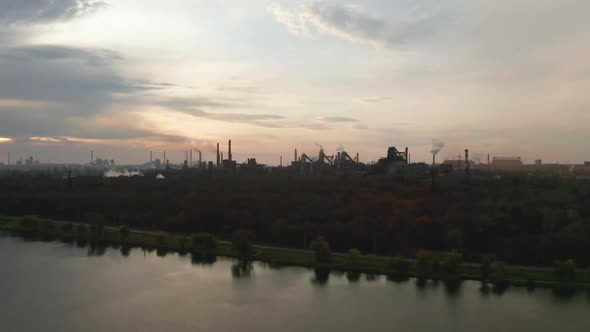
517 219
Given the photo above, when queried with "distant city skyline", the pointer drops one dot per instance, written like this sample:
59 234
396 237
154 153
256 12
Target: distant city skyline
505 78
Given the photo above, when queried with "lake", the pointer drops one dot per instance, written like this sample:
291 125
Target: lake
54 286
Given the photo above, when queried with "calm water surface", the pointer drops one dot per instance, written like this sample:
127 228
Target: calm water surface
52 286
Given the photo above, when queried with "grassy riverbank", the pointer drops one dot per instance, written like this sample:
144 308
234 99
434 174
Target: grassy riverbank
364 263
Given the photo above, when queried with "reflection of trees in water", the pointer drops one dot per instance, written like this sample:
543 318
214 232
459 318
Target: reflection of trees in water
564 294
125 250
81 242
321 276
96 249
452 287
371 277
353 276
242 269
398 278
203 259
161 252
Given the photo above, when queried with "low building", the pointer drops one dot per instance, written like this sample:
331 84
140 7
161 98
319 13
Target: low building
507 164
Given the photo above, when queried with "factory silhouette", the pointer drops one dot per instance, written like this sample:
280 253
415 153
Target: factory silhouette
395 162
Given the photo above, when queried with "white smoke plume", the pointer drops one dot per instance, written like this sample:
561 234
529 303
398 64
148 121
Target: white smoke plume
115 173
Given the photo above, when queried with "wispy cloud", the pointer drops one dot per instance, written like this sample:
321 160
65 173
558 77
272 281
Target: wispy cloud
353 23
43 11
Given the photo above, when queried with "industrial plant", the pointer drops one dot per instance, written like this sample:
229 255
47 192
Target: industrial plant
395 162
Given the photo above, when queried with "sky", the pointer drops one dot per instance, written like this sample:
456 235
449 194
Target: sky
125 77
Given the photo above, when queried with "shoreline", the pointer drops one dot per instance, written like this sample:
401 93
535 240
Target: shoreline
521 276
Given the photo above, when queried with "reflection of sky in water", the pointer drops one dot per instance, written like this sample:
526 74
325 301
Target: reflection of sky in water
59 287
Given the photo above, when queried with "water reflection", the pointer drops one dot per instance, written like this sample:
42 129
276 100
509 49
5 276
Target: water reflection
321 276
203 259
125 250
97 249
452 287
353 276
242 269
398 278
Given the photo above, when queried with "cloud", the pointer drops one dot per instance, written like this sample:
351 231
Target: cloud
45 90
337 119
353 23
45 11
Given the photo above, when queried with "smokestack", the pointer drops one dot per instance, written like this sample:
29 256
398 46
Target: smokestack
151 157
357 157
217 155
409 158
165 160
191 157
295 155
281 164
8 158
186 157
407 155
467 161
91 156
229 150
433 159
200 160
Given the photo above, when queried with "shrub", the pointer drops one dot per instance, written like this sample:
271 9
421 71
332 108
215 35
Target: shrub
46 226
498 273
564 270
183 243
426 263
322 250
161 239
399 266
124 231
485 267
81 229
451 263
29 222
353 257
204 242
67 227
242 243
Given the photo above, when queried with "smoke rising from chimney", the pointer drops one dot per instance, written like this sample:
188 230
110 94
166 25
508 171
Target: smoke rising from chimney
437 146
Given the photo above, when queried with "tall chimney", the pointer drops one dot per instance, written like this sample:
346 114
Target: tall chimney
433 159
151 157
191 157
186 156
407 155
200 160
281 164
295 155
229 150
357 157
165 161
91 156
217 155
409 158
8 158
467 161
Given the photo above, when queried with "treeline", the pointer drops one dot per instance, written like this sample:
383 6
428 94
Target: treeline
518 219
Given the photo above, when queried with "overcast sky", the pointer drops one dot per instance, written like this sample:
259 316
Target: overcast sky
123 77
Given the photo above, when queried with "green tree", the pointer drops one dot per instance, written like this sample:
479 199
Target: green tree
426 263
321 248
161 239
243 243
203 242
124 231
96 221
399 266
564 271
451 263
498 274
353 257
30 223
485 266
